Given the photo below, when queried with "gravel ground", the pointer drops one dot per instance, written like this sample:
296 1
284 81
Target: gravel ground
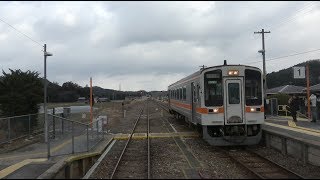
105 168
116 122
293 164
167 161
134 163
216 165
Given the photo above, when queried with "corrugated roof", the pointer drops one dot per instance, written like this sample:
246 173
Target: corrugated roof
286 89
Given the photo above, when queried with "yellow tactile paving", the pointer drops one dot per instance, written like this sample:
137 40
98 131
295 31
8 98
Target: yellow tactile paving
139 136
296 128
289 117
121 136
5 172
156 135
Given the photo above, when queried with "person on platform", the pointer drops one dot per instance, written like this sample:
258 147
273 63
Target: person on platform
313 102
294 107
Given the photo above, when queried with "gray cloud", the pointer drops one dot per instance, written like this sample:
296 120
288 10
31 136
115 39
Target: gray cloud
140 43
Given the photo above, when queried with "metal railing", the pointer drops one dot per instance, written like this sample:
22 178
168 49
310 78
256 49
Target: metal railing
284 109
16 127
68 136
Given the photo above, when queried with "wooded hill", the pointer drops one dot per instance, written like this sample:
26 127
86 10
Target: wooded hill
285 76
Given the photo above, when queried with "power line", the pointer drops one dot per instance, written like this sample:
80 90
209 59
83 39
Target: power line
21 33
296 54
297 15
303 8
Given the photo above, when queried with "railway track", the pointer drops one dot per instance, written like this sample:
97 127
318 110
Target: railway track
262 167
134 161
194 164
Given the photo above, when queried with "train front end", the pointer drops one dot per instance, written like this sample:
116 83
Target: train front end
233 99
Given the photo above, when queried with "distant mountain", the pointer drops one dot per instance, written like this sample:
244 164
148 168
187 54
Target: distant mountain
285 76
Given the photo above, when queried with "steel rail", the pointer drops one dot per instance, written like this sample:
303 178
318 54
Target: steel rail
266 161
280 166
175 141
125 147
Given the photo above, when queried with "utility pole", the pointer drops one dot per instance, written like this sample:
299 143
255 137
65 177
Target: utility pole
263 51
45 94
91 99
46 134
308 91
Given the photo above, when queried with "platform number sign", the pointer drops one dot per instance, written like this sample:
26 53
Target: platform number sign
299 72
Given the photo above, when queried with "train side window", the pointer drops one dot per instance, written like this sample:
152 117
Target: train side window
184 93
180 93
198 93
177 93
194 93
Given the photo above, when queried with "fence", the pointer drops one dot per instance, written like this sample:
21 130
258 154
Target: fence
15 127
68 132
68 136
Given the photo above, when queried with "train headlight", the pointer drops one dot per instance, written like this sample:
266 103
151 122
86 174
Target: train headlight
252 109
216 110
233 73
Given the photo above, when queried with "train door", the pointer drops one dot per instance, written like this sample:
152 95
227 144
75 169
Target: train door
193 102
234 101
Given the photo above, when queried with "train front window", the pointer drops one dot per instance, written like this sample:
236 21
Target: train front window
253 88
213 88
234 94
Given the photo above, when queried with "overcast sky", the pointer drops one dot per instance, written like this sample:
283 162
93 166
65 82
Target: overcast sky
149 45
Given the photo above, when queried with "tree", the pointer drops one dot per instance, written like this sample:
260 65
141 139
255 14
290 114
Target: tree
20 94
70 86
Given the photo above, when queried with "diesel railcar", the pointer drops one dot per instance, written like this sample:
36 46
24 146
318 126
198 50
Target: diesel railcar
224 102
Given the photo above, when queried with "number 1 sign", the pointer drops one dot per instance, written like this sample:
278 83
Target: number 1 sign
299 72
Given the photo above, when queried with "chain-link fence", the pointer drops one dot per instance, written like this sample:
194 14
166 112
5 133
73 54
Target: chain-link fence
69 132
67 136
12 128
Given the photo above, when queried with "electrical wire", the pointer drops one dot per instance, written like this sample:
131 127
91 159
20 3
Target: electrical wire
297 15
21 32
281 57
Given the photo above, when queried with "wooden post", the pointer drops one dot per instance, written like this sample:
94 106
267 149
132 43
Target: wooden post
308 91
91 101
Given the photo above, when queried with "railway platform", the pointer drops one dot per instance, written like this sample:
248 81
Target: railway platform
300 139
31 161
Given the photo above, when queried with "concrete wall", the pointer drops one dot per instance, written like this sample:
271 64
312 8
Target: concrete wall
76 166
305 151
